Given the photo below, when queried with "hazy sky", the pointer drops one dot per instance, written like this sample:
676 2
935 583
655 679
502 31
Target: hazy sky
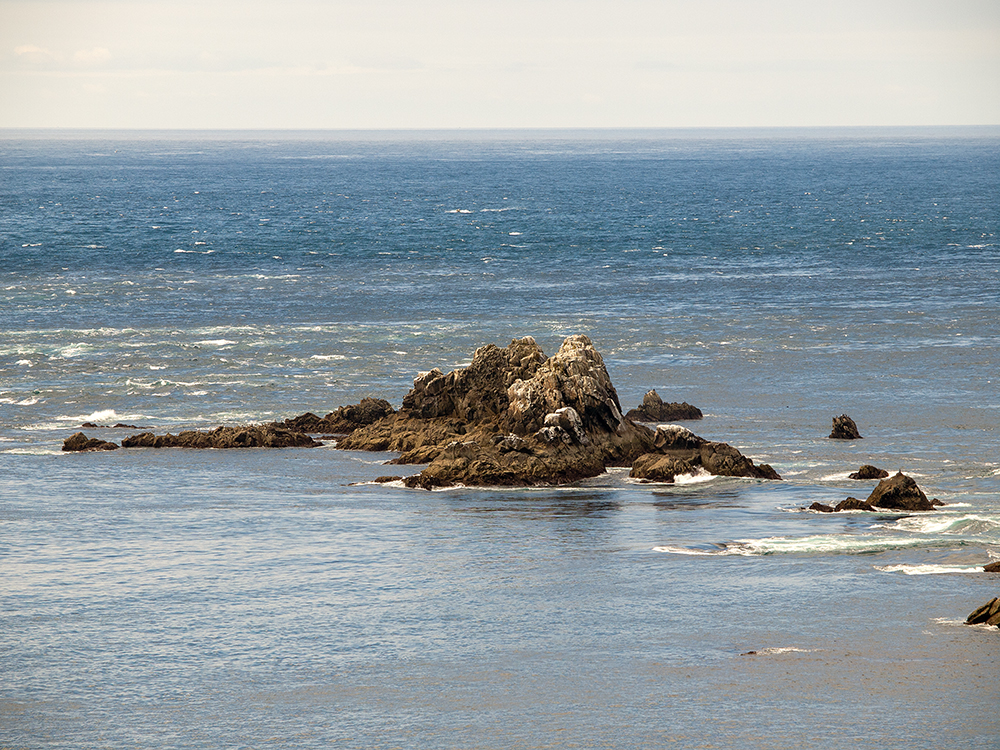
476 64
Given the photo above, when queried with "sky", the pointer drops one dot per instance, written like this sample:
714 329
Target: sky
390 64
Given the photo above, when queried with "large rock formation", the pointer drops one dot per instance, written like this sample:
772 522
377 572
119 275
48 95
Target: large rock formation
988 614
248 436
844 429
654 409
513 417
344 420
80 442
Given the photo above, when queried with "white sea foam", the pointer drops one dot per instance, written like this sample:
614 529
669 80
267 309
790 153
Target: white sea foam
944 524
215 342
27 402
775 650
37 451
819 544
459 211
698 477
927 569
327 357
26 362
103 415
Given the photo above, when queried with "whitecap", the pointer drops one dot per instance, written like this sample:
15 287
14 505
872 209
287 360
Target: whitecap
326 357
459 211
102 415
699 476
215 342
513 234
927 569
774 650
24 362
27 402
34 452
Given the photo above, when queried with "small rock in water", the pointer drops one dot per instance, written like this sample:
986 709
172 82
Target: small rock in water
844 429
867 471
80 442
993 567
988 614
654 409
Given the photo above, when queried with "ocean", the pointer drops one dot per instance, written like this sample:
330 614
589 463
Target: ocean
278 598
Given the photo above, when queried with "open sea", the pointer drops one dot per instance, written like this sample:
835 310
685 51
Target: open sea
278 599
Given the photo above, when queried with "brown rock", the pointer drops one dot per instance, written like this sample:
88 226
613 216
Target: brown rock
80 442
853 503
653 409
513 417
656 467
900 493
344 420
249 436
867 471
993 567
844 429
988 614
821 507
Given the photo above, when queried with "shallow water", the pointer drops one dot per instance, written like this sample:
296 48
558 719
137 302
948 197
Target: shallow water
274 598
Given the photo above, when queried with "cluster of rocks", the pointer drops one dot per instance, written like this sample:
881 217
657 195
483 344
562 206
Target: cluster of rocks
988 614
514 417
895 493
248 436
654 409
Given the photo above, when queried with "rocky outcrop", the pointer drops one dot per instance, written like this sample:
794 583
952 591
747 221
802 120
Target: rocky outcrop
344 420
680 451
514 417
988 614
993 567
249 436
867 471
654 409
80 442
901 493
896 493
844 429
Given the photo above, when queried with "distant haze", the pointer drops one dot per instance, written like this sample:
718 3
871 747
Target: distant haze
512 64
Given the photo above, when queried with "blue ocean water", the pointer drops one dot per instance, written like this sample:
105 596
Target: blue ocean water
259 598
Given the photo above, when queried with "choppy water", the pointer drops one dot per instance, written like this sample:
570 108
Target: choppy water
266 599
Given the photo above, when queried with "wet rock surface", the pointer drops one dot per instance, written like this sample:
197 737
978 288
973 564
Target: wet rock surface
654 409
79 442
899 492
844 428
248 436
988 614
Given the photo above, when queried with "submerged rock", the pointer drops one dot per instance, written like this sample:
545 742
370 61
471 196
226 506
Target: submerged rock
514 418
249 436
654 409
988 614
80 442
867 471
844 429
